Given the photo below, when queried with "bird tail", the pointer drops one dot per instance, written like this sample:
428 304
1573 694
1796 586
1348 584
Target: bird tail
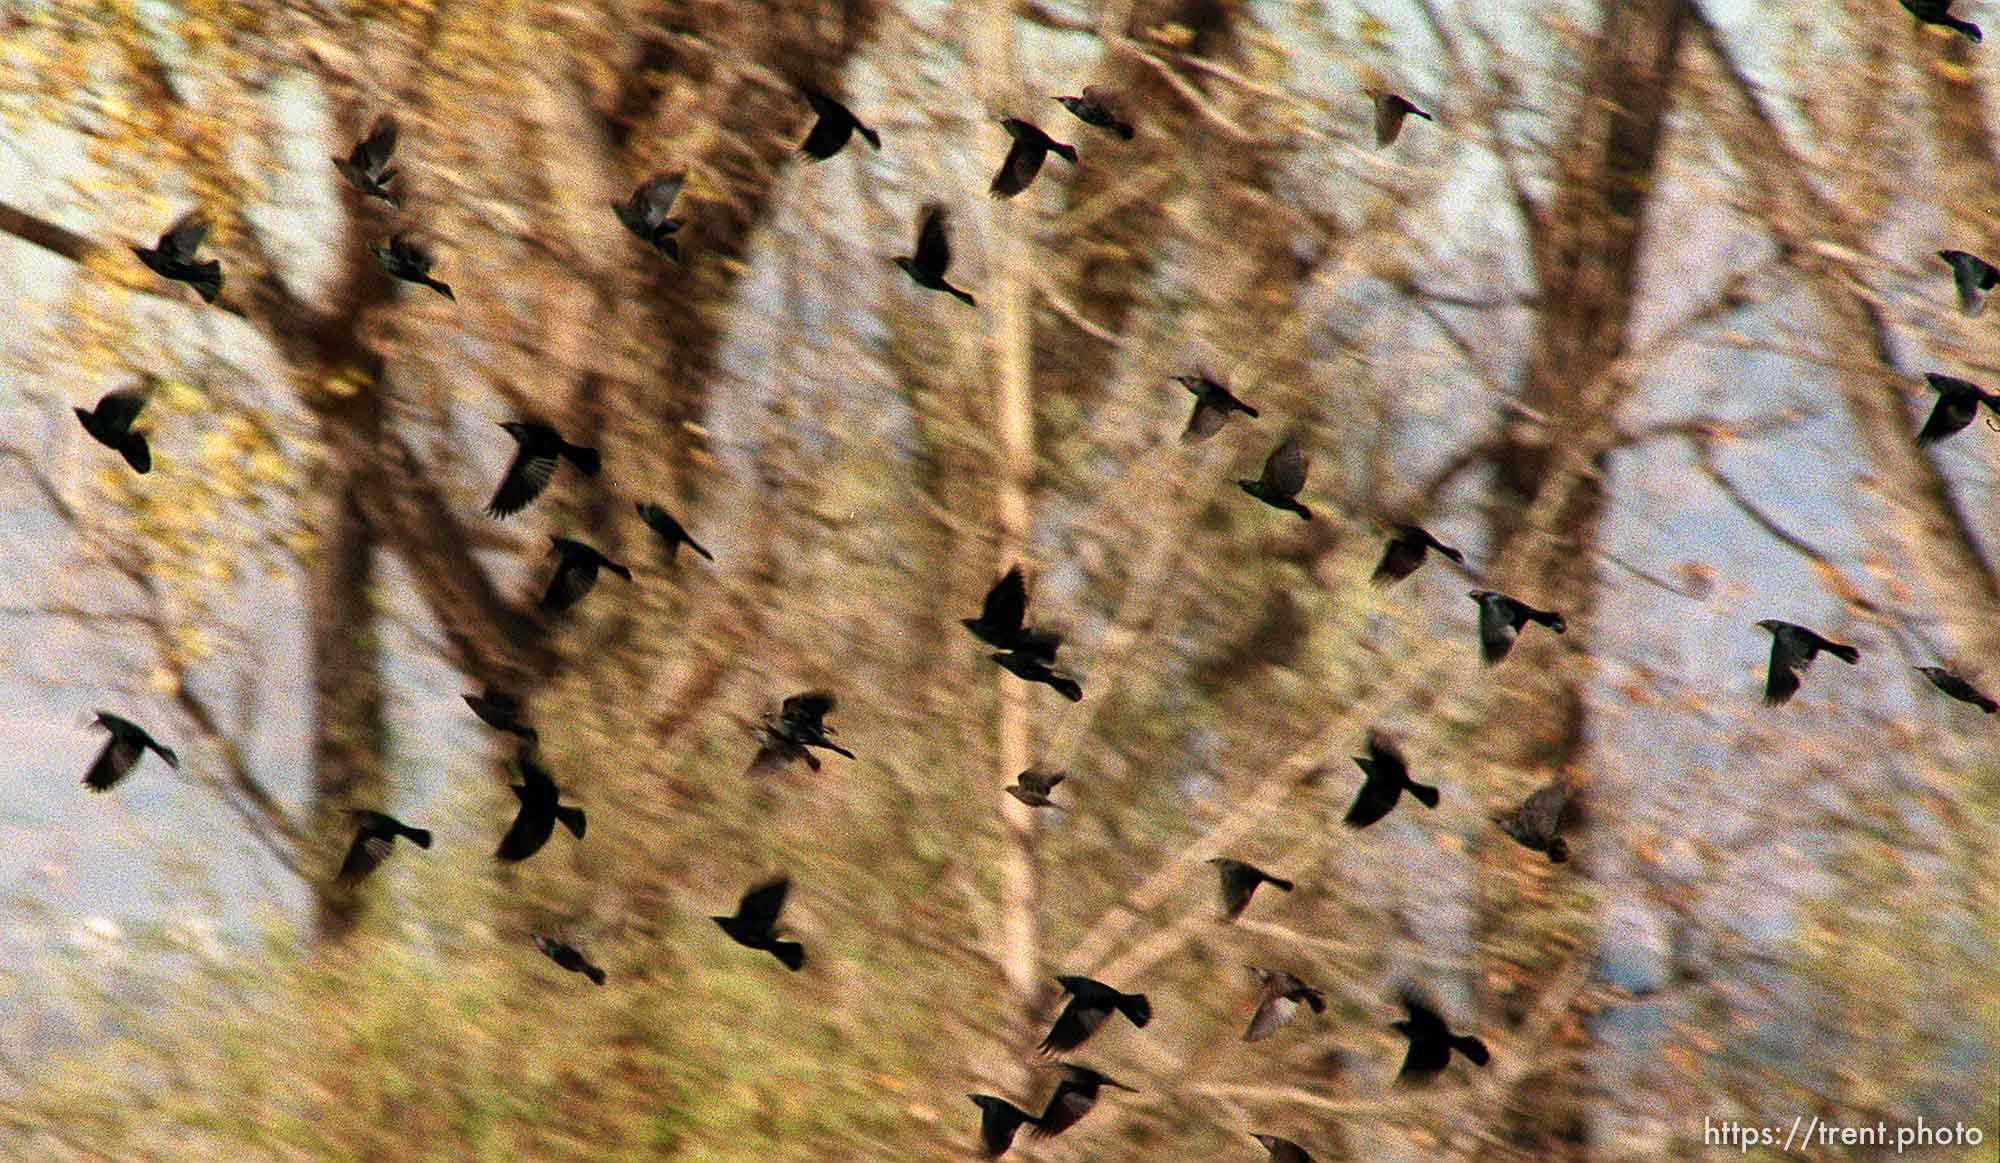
1279 883
1123 129
1472 1048
1136 1007
441 288
874 139
962 297
791 953
594 974
573 819
1304 513
1068 688
1847 654
1246 409
586 460
620 570
1448 551
1558 850
1969 29
421 837
1425 793
1549 618
1065 152
207 280
696 546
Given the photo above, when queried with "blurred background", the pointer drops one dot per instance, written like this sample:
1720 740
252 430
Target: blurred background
1639 323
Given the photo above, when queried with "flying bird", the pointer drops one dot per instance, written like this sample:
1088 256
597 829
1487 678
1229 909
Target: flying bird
645 213
1212 405
835 125
1090 1003
1096 107
1034 668
1032 787
1431 1042
1534 824
173 256
1282 1150
1390 110
1284 475
406 259
926 267
366 166
501 710
1024 158
534 463
1385 778
1939 12
1958 402
1279 997
122 752
1002 617
998 1120
670 530
569 957
1239 882
1793 649
1075 1094
1958 688
576 573
541 807
798 726
1501 619
110 424
755 923
1974 277
1406 551
374 835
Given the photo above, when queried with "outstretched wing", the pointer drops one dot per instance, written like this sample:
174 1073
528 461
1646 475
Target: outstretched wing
658 193
1285 469
365 855
119 409
933 249
525 480
761 905
185 236
374 151
1007 602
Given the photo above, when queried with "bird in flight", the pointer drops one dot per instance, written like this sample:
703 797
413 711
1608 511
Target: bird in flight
1090 1002
1793 649
541 807
1095 106
1431 1042
500 710
1390 111
129 742
110 424
1075 1094
1212 405
755 924
1939 12
1238 882
1534 824
1501 619
998 1121
1031 667
1032 787
173 256
534 463
1406 551
1282 1150
1974 277
409 260
926 267
569 957
1385 778
1279 997
1958 688
1284 475
835 125
670 530
1002 620
1024 158
1958 402
366 166
798 726
375 834
645 213
576 573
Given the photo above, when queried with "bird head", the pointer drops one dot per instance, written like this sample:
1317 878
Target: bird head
1771 624
515 428
1480 595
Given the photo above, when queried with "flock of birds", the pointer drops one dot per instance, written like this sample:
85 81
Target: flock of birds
797 728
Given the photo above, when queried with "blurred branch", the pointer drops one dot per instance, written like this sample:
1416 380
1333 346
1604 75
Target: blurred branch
1295 1096
1488 104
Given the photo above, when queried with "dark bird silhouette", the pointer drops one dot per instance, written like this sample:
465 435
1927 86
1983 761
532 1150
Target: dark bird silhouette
541 807
1958 402
501 710
1974 277
926 267
1406 551
406 259
1939 12
1390 110
998 1121
534 463
670 530
1284 475
798 725
173 256
366 166
1501 619
1431 1042
375 833
645 213
1386 778
1032 787
1094 106
1793 649
835 125
576 573
1282 1150
1090 1002
1535 823
1958 688
1024 158
110 424
1034 668
1075 1094
756 919
1002 617
122 752
569 957
1239 882
1279 998
1212 405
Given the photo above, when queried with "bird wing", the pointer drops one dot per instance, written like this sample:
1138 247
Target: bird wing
531 829
1023 162
933 248
1496 630
119 409
525 480
1285 468
1542 811
1952 413
374 151
369 850
1066 1106
1377 795
828 134
1388 120
184 237
121 752
761 905
658 194
1400 559
1006 604
574 577
1204 422
1786 661
1272 1012
1076 1023
808 708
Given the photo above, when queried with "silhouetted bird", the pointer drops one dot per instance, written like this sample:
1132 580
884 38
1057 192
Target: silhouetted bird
1033 668
1025 156
569 957
366 167
122 751
1074 1096
1387 777
756 919
1958 402
1284 475
408 260
1282 1150
1405 552
375 833
1501 619
1239 882
110 424
1002 616
1792 650
1390 110
799 724
998 1120
836 123
1939 12
541 807
576 573
671 531
926 268
173 256
1032 787
1535 823
645 212
499 709
1280 998
1094 106
1958 688
1974 277
1431 1042
534 463
1212 405
1090 1002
